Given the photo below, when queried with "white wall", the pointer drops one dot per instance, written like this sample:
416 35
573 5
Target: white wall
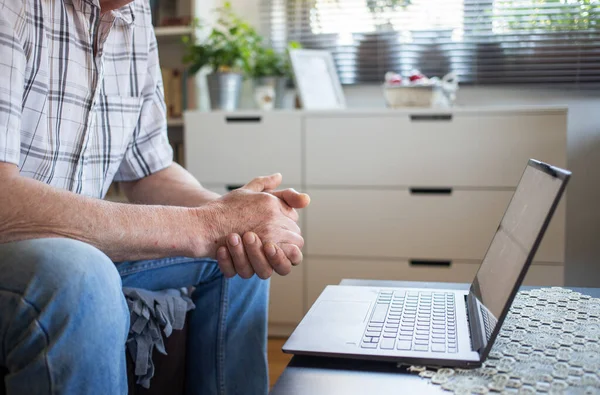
583 208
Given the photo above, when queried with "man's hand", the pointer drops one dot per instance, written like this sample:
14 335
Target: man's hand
267 220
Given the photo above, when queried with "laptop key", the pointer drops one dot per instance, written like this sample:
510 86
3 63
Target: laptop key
421 347
403 345
405 337
421 342
452 349
372 334
379 313
368 345
438 347
438 340
386 334
387 343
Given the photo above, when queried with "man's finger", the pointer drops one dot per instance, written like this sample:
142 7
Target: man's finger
261 184
277 259
291 236
240 260
293 253
292 198
256 256
225 262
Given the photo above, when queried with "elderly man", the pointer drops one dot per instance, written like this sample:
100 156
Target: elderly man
81 106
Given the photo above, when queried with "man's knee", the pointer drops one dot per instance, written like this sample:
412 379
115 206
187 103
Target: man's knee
64 275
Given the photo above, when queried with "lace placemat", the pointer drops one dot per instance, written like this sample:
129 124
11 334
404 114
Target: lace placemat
549 343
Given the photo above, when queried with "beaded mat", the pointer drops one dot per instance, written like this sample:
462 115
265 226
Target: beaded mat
549 343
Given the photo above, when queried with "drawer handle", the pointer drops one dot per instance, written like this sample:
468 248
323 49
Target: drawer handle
232 187
431 117
236 119
431 191
421 262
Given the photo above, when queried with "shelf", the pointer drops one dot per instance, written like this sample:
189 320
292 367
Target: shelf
173 31
116 199
175 123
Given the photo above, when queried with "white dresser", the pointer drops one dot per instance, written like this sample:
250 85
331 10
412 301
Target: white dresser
398 195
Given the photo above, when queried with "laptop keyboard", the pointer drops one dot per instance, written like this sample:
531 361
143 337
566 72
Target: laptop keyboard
489 323
413 321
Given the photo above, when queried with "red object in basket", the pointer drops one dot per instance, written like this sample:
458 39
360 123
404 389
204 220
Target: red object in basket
416 77
396 80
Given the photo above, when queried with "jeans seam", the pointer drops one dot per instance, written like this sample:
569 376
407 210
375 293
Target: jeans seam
155 264
221 336
38 324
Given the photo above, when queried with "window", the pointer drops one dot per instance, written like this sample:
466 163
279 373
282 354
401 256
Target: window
483 41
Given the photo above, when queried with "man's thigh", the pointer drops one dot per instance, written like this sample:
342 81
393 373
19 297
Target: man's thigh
168 273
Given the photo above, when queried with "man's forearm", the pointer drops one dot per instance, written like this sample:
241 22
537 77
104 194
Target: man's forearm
30 209
173 186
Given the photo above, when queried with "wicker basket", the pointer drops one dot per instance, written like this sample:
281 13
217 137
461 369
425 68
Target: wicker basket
437 93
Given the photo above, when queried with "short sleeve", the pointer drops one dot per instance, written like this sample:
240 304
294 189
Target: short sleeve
149 150
12 69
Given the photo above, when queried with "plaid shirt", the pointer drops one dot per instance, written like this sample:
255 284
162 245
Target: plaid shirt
81 101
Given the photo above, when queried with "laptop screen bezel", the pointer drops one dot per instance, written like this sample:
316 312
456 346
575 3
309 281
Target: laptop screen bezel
474 321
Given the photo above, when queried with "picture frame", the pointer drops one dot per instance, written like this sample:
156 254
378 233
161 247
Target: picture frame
317 80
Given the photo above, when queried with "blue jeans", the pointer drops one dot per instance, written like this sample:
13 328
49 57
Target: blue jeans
64 320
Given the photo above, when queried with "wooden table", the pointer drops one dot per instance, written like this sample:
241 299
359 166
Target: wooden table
326 376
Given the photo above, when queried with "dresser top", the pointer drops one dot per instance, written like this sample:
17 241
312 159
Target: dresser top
464 110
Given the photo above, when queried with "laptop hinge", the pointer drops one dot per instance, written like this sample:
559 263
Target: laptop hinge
477 341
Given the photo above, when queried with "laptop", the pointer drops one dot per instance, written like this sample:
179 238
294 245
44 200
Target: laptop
439 327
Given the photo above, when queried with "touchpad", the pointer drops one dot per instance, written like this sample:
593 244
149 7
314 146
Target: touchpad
348 312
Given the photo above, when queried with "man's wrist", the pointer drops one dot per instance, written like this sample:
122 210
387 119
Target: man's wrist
207 230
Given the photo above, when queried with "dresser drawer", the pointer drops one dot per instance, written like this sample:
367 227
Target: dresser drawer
286 302
467 149
401 224
323 272
234 149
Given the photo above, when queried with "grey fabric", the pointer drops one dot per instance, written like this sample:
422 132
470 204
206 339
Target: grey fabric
153 312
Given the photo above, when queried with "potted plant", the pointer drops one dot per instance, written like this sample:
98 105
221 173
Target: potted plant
381 43
227 51
271 72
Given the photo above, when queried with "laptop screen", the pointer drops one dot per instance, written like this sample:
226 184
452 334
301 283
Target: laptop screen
515 243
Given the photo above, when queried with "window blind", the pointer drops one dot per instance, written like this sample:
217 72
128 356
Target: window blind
483 41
